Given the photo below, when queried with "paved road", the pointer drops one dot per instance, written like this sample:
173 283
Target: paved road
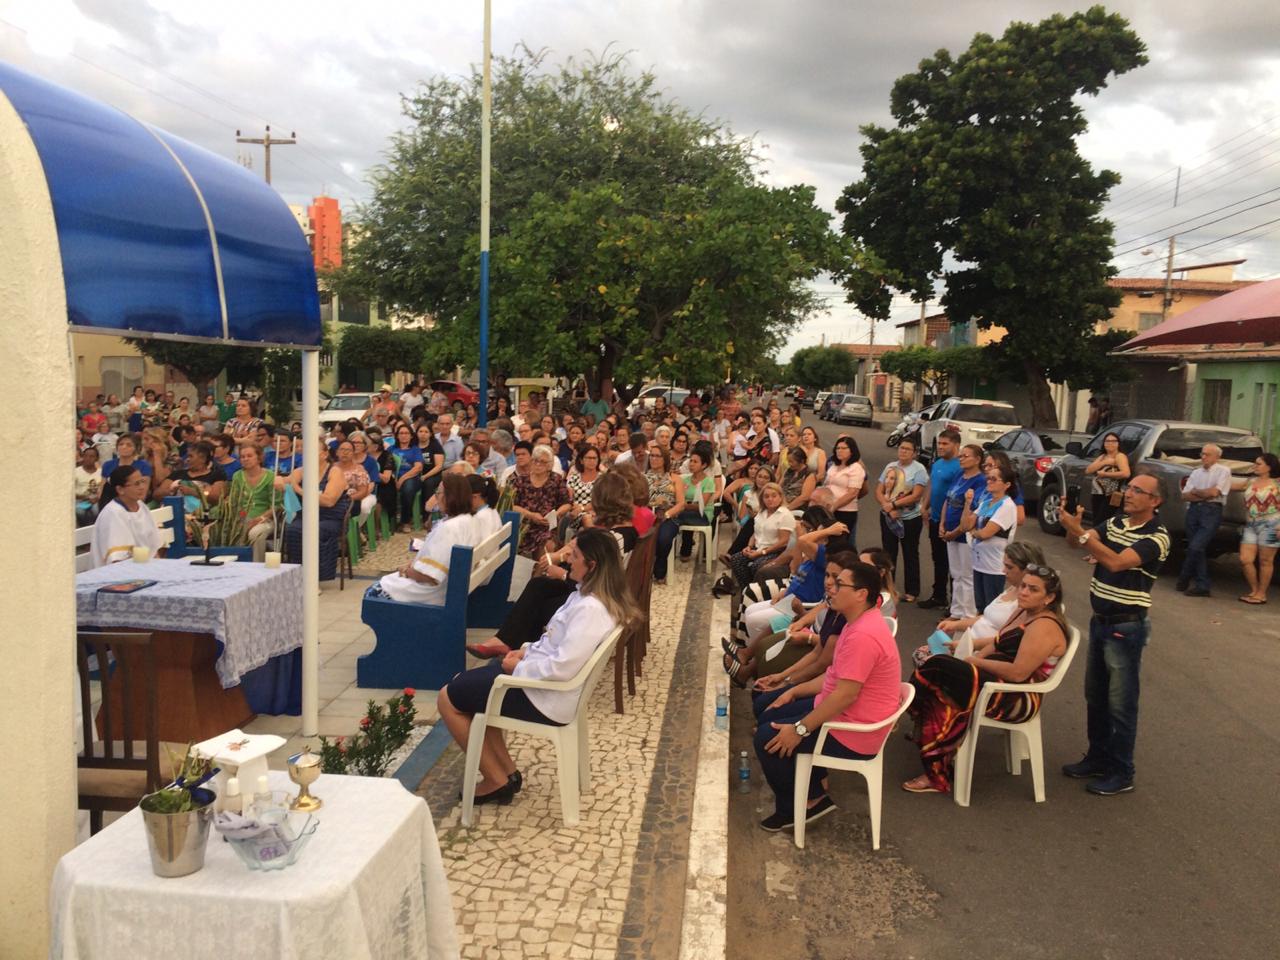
1186 866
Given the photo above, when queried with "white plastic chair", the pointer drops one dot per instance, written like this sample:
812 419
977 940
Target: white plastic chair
872 770
892 623
708 533
573 751
1024 741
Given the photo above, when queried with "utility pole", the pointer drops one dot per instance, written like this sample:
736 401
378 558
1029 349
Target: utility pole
871 352
1168 264
267 141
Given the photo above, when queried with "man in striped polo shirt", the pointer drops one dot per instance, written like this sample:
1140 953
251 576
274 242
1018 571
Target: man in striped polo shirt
1129 551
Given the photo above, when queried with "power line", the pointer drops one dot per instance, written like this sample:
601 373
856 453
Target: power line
1210 243
1199 226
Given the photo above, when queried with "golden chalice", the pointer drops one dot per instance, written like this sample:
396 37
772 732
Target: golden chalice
304 768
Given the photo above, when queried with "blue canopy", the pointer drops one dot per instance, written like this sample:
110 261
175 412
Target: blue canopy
162 238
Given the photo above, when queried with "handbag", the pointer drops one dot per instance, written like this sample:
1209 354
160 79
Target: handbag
1116 499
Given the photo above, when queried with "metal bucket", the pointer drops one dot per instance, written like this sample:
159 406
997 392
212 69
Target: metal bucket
177 841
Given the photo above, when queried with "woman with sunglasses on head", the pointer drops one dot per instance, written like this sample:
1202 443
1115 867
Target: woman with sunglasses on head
1026 649
987 623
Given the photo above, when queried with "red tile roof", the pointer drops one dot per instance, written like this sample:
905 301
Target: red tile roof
1184 286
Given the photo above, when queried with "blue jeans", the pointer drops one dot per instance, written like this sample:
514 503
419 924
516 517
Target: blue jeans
1203 520
780 771
667 535
1111 690
408 491
986 587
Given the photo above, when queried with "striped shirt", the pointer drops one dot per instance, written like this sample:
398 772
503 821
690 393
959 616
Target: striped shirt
1129 591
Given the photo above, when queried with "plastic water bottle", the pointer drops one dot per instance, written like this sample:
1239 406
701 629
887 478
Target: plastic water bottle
722 705
744 773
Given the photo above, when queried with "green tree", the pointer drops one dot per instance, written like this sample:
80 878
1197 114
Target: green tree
823 367
630 236
198 362
383 347
934 367
981 183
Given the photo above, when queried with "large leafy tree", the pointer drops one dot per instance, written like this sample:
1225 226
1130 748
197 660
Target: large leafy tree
631 238
980 183
823 367
198 362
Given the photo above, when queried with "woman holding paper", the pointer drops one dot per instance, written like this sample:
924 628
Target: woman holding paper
538 497
983 627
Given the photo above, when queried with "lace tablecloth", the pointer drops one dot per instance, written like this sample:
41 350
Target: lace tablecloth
370 885
253 611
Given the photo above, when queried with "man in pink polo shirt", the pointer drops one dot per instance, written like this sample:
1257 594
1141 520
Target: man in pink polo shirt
862 685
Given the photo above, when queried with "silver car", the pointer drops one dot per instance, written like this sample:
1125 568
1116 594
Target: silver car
1033 454
856 410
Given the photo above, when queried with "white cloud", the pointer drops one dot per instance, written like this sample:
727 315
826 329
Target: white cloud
800 76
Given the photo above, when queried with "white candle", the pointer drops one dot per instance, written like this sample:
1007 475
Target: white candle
272 558
141 554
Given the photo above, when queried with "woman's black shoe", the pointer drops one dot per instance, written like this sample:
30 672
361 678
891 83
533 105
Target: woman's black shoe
515 781
502 796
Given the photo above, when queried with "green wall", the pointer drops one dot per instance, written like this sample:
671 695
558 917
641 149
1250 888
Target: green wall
1244 379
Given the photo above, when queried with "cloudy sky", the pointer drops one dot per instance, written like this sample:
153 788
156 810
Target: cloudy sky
801 75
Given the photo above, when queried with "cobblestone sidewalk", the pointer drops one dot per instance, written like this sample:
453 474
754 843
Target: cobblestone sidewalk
525 885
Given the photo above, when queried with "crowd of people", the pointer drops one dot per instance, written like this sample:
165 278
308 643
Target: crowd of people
813 617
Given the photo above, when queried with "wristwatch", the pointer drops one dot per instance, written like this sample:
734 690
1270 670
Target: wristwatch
1083 538
801 730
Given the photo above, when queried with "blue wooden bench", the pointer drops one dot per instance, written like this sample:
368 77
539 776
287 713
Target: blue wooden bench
423 645
180 548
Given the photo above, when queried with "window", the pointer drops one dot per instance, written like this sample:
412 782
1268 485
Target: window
1216 407
121 374
1148 320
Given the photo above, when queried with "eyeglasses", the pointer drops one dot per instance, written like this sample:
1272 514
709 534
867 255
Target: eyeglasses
1130 488
840 583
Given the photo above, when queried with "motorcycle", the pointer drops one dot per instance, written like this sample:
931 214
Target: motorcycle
908 426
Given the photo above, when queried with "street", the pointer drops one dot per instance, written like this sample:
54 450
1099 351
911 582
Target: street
1185 866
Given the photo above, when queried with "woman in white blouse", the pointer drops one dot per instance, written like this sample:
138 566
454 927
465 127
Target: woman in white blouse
600 602
124 522
425 578
774 525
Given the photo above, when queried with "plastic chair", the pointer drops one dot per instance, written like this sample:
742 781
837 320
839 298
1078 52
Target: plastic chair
573 752
708 534
1026 745
872 770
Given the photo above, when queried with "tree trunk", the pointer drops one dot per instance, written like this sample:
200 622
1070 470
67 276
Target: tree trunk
1043 412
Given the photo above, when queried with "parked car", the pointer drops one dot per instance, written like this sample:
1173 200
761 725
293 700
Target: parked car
831 407
1170 449
977 421
345 406
645 399
820 401
459 394
1033 454
856 410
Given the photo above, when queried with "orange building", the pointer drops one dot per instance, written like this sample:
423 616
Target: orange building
326 226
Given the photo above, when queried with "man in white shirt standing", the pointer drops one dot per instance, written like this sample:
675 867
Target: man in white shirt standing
1205 494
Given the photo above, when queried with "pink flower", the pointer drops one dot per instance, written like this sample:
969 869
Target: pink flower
409 691
364 723
403 708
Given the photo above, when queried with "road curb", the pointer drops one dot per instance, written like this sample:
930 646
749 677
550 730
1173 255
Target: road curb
703 930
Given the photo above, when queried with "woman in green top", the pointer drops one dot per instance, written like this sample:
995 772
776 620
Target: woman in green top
694 505
247 513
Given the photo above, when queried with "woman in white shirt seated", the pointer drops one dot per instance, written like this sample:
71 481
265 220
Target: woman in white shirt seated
124 522
425 579
600 602
1018 556
485 521
774 525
